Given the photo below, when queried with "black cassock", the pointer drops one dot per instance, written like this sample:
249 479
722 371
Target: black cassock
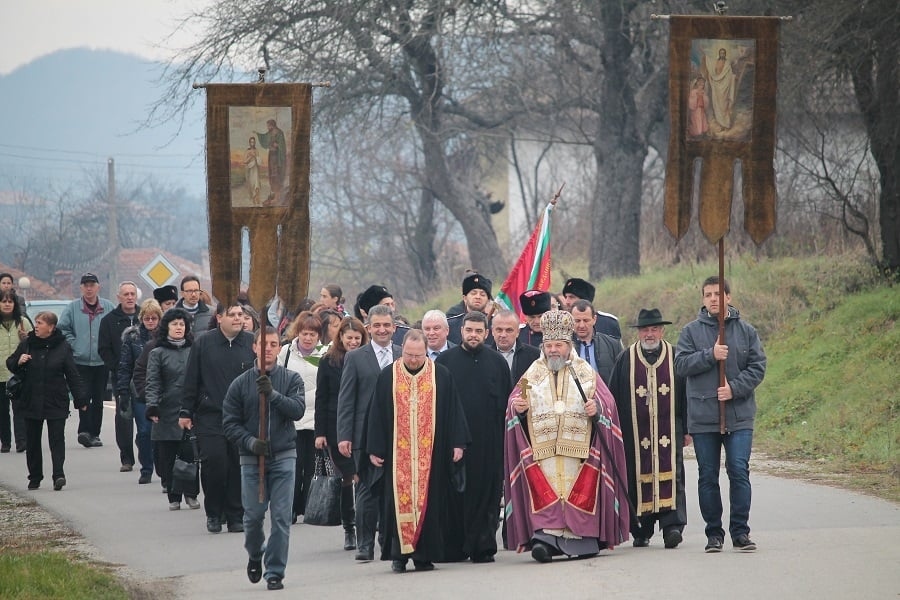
450 432
483 383
620 386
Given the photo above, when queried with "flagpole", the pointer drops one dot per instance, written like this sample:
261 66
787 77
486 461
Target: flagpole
532 269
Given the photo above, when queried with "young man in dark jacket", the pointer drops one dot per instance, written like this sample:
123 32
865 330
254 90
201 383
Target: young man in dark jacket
696 358
285 403
217 358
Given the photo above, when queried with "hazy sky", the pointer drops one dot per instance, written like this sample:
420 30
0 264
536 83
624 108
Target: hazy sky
30 29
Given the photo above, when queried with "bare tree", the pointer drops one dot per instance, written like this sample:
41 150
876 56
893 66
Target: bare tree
609 64
858 42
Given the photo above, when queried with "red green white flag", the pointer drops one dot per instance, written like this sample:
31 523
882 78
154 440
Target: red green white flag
532 270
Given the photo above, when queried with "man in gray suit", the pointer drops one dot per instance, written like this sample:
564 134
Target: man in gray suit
361 369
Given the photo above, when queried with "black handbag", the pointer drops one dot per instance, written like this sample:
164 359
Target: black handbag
15 386
323 504
186 470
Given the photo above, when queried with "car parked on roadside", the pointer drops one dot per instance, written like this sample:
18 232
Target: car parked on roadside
33 307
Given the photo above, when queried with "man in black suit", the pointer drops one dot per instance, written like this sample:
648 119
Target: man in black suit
361 369
519 356
598 349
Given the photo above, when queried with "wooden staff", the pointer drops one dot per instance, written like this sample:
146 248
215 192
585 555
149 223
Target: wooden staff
263 408
723 307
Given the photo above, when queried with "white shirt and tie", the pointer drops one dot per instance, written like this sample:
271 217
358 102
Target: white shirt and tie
384 355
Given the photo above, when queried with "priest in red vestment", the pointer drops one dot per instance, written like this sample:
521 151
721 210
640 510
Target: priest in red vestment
417 432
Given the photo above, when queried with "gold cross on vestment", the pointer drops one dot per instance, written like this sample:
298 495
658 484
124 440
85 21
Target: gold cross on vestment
645 443
664 441
641 391
664 389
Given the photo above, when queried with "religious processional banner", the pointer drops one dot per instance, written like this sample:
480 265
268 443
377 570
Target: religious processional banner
722 85
257 162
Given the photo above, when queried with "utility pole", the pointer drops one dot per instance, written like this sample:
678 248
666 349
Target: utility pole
113 224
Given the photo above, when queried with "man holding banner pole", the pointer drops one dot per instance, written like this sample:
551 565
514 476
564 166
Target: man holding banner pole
268 457
697 358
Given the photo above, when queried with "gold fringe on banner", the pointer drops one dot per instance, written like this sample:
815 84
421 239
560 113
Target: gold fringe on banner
257 163
723 75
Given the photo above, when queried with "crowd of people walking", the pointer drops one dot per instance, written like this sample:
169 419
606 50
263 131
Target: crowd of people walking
539 425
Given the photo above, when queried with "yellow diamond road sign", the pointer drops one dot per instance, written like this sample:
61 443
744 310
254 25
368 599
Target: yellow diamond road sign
159 272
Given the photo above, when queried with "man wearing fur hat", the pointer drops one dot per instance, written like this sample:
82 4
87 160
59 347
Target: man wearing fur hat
378 295
578 289
651 403
564 456
167 296
534 304
476 296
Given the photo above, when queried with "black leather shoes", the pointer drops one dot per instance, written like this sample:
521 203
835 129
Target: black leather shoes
254 570
398 566
235 527
640 542
349 539
58 483
274 583
423 565
672 538
540 552
363 554
213 525
713 544
743 543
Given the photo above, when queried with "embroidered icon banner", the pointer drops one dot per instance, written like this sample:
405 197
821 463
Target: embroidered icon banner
722 85
257 163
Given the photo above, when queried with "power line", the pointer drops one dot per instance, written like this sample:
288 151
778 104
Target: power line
85 153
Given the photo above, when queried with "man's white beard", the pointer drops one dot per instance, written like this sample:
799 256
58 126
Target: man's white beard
556 363
650 347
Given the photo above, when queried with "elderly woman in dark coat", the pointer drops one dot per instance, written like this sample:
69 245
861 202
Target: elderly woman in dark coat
166 366
50 373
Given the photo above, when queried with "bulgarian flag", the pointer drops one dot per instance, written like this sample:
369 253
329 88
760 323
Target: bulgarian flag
532 270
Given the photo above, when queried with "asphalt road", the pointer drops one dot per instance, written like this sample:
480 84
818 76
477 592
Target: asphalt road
814 542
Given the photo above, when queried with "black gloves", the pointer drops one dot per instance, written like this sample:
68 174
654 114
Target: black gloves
264 385
152 410
260 447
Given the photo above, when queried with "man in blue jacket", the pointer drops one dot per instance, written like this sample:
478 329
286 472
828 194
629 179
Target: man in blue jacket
696 358
80 323
285 404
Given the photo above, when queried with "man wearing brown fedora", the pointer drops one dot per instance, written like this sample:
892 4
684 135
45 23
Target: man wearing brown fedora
650 400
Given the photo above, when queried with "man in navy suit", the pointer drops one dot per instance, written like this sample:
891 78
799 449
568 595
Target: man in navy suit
361 369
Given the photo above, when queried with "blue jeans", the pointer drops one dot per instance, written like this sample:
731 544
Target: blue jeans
142 438
708 447
279 499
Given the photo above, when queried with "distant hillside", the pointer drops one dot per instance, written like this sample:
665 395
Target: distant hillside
64 114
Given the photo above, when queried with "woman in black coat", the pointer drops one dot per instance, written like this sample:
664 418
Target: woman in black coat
50 374
166 366
351 335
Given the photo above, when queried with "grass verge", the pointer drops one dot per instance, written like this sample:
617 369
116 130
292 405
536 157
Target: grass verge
42 559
